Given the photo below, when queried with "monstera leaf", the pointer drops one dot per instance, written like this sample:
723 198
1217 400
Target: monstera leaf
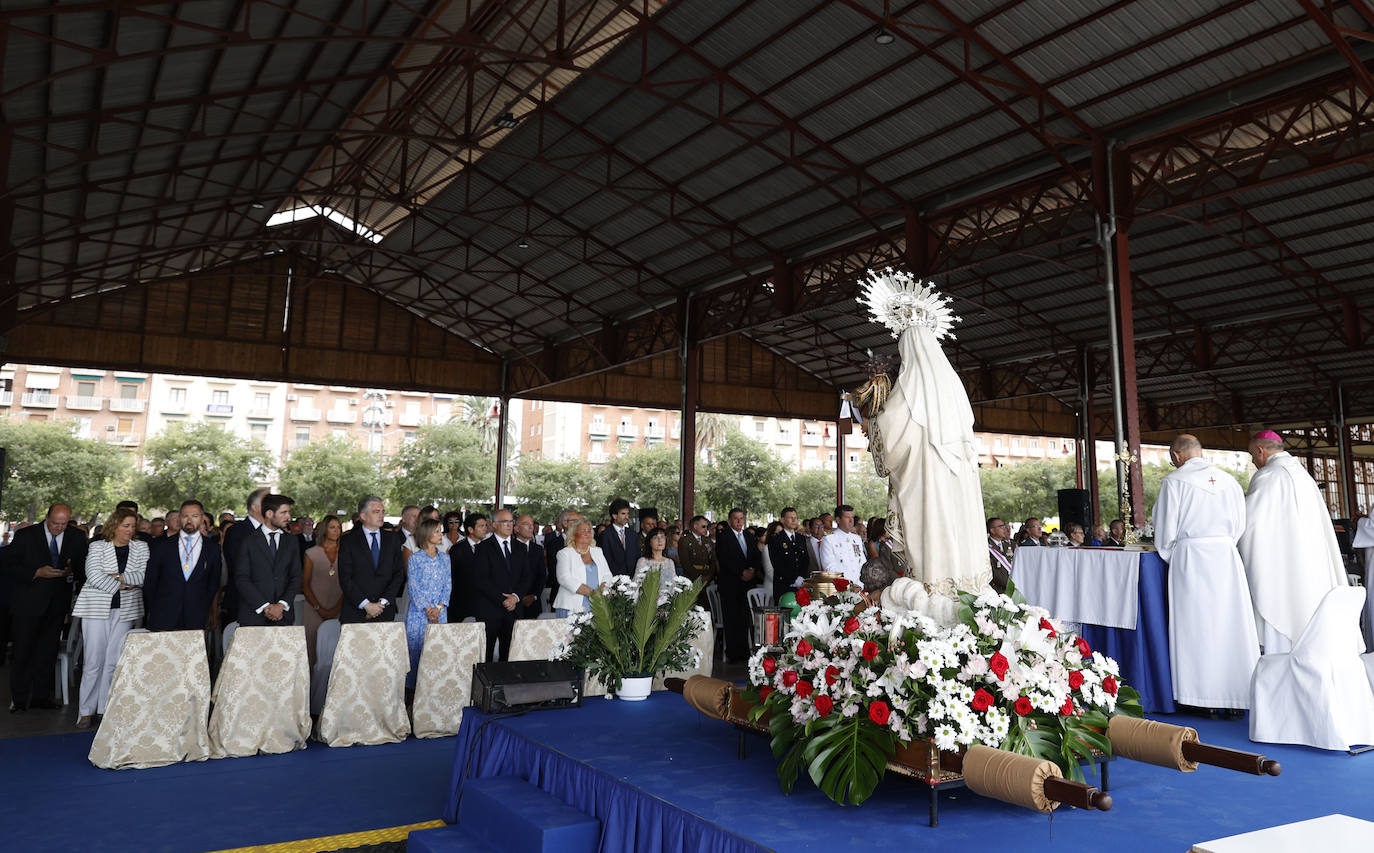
847 756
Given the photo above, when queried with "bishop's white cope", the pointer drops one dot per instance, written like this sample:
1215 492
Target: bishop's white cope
1289 549
1213 644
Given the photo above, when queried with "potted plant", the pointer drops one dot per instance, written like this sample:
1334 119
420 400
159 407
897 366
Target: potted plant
636 629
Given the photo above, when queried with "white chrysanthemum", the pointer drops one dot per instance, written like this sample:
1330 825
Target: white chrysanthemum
899 301
945 737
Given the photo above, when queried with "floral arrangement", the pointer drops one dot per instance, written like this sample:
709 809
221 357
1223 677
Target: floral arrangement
854 683
899 301
641 626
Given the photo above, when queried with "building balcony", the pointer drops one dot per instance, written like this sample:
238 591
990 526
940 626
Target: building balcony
811 440
653 432
174 408
6 398
598 430
40 400
89 404
120 404
627 431
341 416
597 458
298 414
376 418
219 410
263 413
409 420
127 439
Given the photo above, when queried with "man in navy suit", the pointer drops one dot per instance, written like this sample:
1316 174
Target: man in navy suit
41 562
370 566
498 571
183 576
267 568
533 572
739 560
234 537
462 557
618 542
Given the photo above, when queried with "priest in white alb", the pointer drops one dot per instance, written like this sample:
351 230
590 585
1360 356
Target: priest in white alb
1289 547
1213 644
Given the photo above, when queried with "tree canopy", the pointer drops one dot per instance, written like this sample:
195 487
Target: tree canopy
202 461
331 475
47 463
445 466
647 477
546 487
743 473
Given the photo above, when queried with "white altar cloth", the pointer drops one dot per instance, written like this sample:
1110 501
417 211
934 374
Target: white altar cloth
1097 586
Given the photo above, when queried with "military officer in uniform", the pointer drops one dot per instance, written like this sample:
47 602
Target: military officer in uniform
697 550
788 553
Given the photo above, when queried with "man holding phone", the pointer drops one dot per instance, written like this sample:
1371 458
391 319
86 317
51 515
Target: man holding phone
41 561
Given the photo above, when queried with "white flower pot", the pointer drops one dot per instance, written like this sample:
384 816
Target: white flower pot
635 689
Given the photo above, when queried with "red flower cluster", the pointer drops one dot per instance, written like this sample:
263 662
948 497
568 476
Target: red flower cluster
851 624
1109 685
804 689
878 712
1083 648
803 596
999 665
841 584
769 665
1045 625
789 678
1067 710
824 705
831 672
764 692
1075 679
870 650
804 648
982 700
1023 706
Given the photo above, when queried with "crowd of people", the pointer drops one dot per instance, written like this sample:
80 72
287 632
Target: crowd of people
188 571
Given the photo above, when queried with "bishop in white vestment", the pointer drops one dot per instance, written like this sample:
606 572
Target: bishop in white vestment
1213 644
1289 547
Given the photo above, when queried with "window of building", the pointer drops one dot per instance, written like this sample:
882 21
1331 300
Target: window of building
758 427
412 409
340 404
261 402
219 398
1035 444
442 412
85 390
598 418
410 436
1016 444
83 427
258 431
177 397
124 426
340 433
302 436
128 391
307 401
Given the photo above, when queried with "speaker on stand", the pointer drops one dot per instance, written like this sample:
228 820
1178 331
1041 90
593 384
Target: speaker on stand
1075 506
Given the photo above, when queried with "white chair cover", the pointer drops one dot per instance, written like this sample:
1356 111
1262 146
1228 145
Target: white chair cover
534 639
705 644
262 697
159 700
1319 694
326 640
443 686
366 700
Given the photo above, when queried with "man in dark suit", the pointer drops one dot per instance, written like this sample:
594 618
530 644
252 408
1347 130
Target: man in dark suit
267 568
533 574
789 555
499 568
618 542
41 562
462 558
183 576
234 537
370 566
739 560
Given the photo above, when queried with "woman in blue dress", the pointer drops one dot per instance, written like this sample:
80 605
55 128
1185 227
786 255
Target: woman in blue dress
428 580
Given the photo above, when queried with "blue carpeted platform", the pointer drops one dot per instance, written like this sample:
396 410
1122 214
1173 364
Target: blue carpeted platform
676 756
52 799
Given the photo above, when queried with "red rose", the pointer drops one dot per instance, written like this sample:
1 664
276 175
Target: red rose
982 700
851 624
1023 706
1045 624
1083 648
789 678
999 665
769 665
764 692
841 584
803 597
1109 685
824 705
803 649
878 712
1075 680
804 689
870 650
1067 710
830 673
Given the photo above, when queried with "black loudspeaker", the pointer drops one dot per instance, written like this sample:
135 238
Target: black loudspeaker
1075 506
525 685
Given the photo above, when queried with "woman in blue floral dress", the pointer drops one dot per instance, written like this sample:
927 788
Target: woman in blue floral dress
428 581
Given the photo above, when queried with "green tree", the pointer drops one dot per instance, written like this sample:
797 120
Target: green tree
1016 492
444 465
743 473
331 475
712 429
46 463
866 491
477 412
648 476
202 461
546 487
811 492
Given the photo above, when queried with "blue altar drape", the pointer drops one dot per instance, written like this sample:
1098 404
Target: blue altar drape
1143 653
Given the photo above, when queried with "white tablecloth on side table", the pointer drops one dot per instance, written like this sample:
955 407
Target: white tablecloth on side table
1099 586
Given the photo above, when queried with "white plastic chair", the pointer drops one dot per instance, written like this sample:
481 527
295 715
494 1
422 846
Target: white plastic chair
326 641
713 600
66 658
1319 694
760 597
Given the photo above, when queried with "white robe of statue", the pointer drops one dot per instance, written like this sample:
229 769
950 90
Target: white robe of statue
1289 550
1213 642
922 441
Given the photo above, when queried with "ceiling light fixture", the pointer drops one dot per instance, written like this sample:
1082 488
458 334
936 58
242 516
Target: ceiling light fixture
257 205
330 270
507 121
882 36
524 244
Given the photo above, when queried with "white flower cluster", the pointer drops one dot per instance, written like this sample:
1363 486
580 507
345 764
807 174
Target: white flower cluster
899 301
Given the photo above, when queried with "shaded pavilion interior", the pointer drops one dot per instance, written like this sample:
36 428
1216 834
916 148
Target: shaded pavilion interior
1146 211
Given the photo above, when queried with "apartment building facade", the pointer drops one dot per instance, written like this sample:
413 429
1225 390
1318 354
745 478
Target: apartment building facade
106 405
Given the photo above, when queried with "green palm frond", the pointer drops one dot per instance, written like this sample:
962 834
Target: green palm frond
604 624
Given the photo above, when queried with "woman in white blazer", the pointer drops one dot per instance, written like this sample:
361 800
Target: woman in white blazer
110 605
580 569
